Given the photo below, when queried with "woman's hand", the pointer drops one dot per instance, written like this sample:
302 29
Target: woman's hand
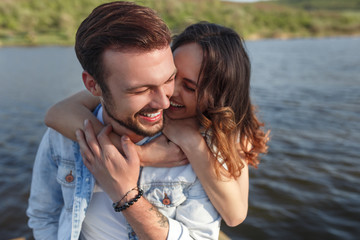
161 152
183 132
115 173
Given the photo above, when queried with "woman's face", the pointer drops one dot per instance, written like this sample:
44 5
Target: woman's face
188 59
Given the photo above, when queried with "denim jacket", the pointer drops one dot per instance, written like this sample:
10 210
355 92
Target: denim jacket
62 188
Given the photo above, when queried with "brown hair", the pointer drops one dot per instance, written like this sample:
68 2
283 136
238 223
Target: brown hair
224 107
120 25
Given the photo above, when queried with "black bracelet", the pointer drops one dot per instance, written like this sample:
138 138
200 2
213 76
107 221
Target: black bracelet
135 188
118 202
126 205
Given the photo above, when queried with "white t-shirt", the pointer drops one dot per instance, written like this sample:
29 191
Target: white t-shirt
101 221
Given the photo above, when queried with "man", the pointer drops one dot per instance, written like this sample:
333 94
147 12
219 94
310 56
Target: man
125 52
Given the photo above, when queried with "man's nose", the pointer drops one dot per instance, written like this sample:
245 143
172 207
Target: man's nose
161 98
176 88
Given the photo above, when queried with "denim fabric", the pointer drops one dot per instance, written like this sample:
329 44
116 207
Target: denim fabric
189 210
57 206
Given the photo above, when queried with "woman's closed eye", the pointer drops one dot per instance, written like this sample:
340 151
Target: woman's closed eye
189 88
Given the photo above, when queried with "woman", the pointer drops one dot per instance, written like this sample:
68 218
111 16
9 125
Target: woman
212 90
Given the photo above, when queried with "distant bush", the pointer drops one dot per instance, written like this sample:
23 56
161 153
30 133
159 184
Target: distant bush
34 22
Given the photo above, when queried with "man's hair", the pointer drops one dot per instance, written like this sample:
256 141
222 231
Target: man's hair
122 26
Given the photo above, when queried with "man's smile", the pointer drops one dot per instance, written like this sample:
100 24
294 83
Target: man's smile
151 117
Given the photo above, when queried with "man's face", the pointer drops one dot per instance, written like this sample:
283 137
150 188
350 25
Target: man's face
140 85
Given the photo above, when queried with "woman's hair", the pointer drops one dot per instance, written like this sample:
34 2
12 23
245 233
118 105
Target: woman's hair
122 26
224 108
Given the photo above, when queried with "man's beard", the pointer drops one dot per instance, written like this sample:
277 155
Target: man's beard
129 123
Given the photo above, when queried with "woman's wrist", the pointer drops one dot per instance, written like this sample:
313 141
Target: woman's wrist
190 142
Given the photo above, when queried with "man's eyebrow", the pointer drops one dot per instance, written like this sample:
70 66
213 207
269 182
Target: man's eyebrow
173 74
130 89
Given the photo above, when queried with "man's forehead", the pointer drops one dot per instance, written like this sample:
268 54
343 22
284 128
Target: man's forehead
137 68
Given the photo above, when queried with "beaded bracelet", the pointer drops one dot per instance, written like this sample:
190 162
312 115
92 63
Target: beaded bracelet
115 204
135 188
126 205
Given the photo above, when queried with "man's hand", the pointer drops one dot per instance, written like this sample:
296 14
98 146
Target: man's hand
115 173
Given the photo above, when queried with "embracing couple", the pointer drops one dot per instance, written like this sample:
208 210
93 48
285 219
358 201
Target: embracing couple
158 147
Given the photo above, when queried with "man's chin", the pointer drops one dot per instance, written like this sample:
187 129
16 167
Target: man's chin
135 125
150 131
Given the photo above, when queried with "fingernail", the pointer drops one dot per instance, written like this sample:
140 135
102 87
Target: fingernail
125 138
77 133
86 122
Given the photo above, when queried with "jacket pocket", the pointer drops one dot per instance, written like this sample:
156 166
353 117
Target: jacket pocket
165 195
66 178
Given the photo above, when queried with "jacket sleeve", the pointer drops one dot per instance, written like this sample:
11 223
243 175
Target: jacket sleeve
46 201
196 218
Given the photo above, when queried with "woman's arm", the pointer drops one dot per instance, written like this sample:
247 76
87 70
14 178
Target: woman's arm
69 114
229 196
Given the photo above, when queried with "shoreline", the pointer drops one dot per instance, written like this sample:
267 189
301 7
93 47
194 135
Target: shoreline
287 37
249 39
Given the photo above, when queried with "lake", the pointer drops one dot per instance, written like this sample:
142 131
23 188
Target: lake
308 93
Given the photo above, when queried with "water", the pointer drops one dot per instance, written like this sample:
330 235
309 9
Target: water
308 92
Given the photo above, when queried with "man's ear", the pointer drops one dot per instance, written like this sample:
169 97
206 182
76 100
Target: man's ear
90 84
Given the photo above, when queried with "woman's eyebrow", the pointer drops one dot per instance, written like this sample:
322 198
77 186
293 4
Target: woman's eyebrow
190 81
